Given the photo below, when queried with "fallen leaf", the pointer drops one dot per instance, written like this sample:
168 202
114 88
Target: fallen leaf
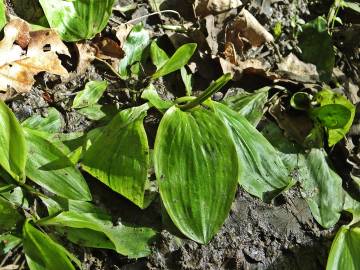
294 69
245 26
206 7
86 54
108 48
18 67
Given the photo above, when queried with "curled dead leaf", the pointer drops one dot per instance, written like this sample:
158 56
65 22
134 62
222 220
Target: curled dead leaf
246 27
18 66
206 7
86 54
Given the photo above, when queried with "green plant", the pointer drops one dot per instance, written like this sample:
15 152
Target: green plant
332 16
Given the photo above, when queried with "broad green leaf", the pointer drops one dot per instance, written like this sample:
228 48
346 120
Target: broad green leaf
352 5
249 105
196 168
9 217
128 241
352 206
317 47
327 97
15 195
179 59
77 19
320 185
52 170
322 189
158 56
30 11
43 253
120 156
52 123
332 116
257 158
13 152
8 242
2 14
134 48
153 97
345 252
90 95
99 112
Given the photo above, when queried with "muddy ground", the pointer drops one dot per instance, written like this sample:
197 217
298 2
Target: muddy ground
256 235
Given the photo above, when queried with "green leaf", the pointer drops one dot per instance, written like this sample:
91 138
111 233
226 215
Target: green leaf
345 252
8 242
52 170
134 47
320 185
13 152
351 5
52 123
90 95
126 240
301 101
179 59
158 56
9 217
352 206
120 156
2 14
42 252
317 47
153 97
327 97
77 19
196 169
249 105
332 116
322 189
256 156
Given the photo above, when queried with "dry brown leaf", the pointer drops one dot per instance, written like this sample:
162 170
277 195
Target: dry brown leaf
122 32
206 7
246 27
86 54
294 69
108 48
18 67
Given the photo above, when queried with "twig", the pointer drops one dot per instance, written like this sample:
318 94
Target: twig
152 14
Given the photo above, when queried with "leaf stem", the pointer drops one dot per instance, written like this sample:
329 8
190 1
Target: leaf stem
213 88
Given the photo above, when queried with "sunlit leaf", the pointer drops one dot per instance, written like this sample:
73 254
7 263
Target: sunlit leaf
119 157
77 19
153 97
249 105
90 95
2 14
134 47
51 123
8 242
50 168
256 156
332 116
129 241
196 168
42 252
345 252
179 59
13 152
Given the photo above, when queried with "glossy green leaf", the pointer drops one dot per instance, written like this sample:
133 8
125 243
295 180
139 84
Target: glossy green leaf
2 14
352 206
90 95
196 169
333 116
53 122
179 59
120 156
13 152
345 252
320 185
9 217
256 156
43 253
249 105
153 97
77 19
52 170
301 101
99 112
317 47
128 241
8 242
327 97
322 189
134 48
